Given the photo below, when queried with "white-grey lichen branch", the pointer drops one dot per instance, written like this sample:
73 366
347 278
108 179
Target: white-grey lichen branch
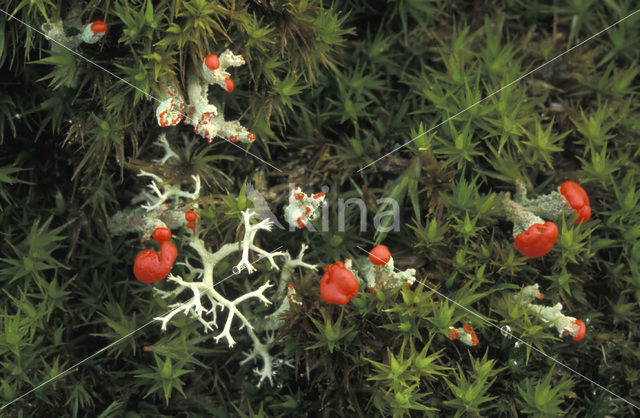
205 293
162 205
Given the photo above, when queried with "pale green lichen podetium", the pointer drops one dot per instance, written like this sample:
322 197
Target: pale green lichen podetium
521 217
548 206
552 315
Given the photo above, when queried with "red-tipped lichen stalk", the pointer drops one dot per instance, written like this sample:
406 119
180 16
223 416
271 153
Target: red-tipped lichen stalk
565 325
533 236
466 335
150 266
338 284
568 199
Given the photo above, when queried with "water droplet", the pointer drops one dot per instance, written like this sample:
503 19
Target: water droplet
587 321
517 344
506 331
235 270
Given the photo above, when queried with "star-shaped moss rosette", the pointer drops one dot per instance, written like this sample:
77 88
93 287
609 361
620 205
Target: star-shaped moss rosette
565 325
199 113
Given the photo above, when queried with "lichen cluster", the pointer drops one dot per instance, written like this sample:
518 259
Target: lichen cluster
306 208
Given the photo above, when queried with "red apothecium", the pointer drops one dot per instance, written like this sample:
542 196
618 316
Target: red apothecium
380 255
150 266
212 62
582 330
537 240
577 199
98 26
338 285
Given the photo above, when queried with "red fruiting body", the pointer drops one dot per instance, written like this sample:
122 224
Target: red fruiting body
212 62
581 330
338 285
578 199
454 334
161 118
380 255
229 83
161 235
537 240
98 27
190 216
150 266
191 225
468 329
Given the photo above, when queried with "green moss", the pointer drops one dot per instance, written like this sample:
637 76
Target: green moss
328 89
